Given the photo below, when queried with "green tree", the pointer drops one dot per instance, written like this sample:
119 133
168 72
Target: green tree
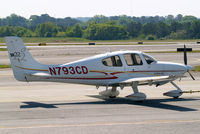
162 29
75 31
48 29
6 31
150 37
105 32
188 18
170 19
34 20
15 20
134 29
195 29
100 19
179 17
89 32
124 20
149 28
175 26
178 35
23 32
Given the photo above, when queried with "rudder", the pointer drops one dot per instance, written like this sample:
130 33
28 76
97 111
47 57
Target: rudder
20 57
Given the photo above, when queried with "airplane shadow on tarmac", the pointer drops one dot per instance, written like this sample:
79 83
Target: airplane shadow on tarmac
153 103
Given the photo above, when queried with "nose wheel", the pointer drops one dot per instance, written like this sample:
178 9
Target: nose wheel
174 93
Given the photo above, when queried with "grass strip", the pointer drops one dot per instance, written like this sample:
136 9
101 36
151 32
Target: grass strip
4 66
3 49
196 68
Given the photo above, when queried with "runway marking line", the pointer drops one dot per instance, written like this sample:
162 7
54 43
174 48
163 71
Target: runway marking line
102 124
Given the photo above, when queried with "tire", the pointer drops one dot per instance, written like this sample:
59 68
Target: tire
112 97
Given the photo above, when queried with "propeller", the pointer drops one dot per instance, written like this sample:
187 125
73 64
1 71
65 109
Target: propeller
191 75
185 61
185 55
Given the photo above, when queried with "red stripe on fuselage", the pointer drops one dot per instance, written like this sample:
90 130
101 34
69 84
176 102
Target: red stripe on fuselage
116 73
76 78
148 71
158 71
93 71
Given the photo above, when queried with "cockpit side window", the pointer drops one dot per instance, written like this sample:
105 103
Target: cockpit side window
133 59
148 59
113 61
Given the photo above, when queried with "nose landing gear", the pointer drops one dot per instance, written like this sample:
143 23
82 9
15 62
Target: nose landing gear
174 93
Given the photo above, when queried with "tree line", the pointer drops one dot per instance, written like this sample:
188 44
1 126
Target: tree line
101 27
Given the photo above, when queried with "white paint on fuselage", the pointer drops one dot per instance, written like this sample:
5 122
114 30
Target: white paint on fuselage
99 74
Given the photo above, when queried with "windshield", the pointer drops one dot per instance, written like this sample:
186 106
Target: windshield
149 59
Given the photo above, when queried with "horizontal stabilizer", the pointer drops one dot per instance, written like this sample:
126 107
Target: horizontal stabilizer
39 74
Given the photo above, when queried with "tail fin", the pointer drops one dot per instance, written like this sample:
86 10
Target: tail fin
20 58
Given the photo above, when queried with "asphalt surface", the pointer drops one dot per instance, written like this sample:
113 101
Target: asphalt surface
54 108
154 116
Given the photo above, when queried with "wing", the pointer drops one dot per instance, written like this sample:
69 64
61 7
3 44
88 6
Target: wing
158 80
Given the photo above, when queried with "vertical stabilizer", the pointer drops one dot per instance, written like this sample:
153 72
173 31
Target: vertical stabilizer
20 57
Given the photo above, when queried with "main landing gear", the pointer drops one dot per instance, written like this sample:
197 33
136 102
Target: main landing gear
136 96
174 93
111 93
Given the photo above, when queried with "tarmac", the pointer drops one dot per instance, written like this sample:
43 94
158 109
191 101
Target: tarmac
54 108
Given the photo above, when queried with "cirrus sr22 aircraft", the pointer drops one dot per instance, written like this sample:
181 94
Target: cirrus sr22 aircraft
112 70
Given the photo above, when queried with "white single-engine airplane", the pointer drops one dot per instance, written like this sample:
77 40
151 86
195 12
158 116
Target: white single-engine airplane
113 69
